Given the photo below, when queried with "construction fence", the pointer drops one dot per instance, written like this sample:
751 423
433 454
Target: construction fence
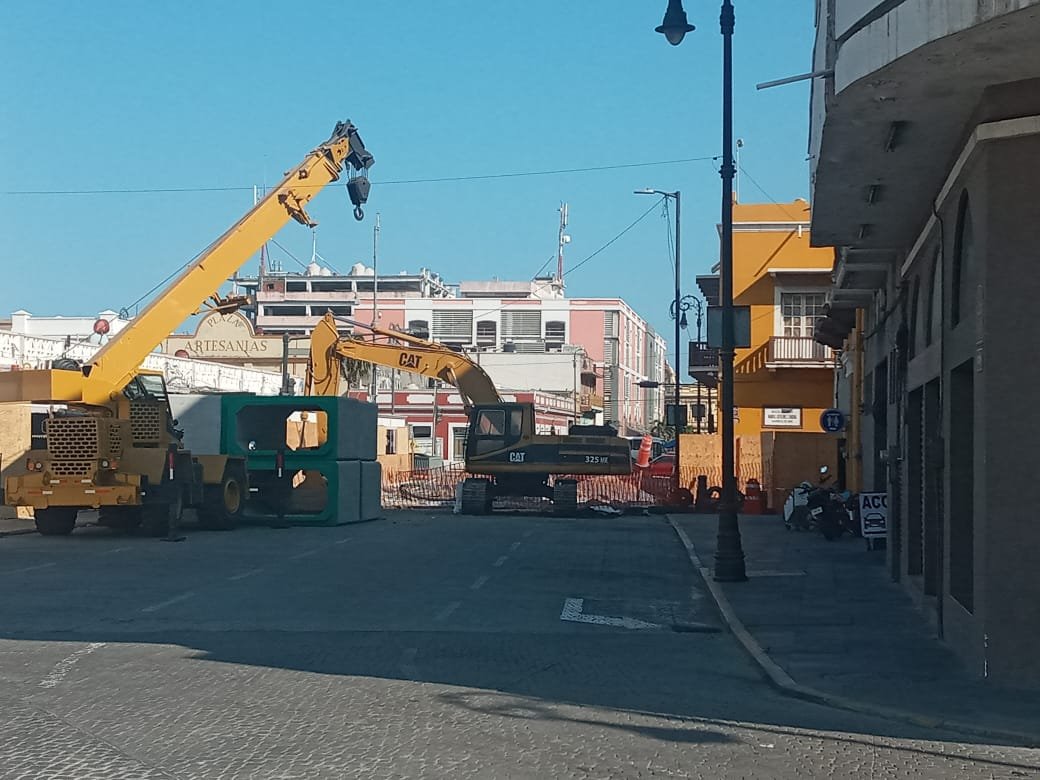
435 488
777 460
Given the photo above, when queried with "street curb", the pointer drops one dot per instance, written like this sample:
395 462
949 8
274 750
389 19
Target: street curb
18 532
786 685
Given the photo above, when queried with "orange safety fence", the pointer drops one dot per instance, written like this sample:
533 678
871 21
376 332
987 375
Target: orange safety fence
435 488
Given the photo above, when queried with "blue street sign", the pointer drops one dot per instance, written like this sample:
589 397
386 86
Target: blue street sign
833 421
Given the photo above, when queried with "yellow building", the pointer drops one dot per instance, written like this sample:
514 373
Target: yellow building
785 380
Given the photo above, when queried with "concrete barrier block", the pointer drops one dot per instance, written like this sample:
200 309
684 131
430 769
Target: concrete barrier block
371 489
348 492
355 429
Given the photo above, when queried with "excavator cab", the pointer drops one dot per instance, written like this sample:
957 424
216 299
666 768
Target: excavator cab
498 427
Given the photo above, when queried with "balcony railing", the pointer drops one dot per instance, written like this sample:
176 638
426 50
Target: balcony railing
798 351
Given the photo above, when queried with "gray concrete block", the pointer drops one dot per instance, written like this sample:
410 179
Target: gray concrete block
198 415
355 430
348 492
371 489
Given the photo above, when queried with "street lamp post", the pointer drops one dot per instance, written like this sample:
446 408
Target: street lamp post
686 303
729 554
676 303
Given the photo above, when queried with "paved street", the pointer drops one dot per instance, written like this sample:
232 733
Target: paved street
419 646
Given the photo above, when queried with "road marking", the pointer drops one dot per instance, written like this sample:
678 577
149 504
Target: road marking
244 574
304 554
408 667
514 546
169 602
343 541
572 612
57 674
774 573
28 568
445 613
117 549
500 561
479 582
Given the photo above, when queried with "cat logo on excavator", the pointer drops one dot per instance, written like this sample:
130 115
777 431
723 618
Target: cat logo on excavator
408 361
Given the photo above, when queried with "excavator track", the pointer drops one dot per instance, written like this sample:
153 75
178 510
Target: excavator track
476 496
565 497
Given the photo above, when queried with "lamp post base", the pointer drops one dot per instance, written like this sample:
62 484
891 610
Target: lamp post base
729 554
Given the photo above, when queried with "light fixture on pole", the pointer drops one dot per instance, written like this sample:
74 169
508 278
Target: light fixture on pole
676 419
729 554
686 303
675 26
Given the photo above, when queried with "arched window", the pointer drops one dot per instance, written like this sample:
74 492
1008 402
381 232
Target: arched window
963 261
935 298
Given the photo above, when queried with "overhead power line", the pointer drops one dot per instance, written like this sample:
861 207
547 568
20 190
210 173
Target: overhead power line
432 180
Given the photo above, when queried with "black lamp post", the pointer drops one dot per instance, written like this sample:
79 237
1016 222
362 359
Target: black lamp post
729 554
679 309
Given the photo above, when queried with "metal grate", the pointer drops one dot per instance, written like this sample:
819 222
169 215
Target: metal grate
73 438
453 326
145 422
71 468
115 439
522 324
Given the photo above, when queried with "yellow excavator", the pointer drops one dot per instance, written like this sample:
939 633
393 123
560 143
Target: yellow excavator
503 452
111 441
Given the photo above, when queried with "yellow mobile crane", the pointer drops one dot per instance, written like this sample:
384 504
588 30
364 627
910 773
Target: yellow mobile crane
502 448
111 441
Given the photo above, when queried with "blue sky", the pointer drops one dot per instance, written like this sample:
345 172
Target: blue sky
129 95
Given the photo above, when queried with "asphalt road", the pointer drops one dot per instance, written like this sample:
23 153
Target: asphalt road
419 646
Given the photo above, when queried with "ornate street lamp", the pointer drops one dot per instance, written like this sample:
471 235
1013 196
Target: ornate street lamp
729 553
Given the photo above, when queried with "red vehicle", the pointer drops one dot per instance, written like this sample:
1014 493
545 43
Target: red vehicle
662 466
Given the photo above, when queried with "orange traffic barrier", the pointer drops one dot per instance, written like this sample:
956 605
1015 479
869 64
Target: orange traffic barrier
646 447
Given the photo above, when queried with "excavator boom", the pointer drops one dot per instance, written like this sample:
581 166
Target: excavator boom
412 354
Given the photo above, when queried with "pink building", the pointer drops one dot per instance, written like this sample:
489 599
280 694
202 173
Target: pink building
613 348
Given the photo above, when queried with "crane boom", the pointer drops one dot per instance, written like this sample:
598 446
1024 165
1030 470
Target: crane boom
117 362
412 354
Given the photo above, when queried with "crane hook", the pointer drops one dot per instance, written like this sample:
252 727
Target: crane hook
358 213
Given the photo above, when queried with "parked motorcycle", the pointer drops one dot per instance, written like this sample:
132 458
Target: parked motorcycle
798 514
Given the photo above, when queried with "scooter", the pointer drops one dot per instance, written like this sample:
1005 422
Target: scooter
799 514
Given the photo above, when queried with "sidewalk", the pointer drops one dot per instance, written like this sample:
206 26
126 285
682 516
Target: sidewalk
10 526
828 615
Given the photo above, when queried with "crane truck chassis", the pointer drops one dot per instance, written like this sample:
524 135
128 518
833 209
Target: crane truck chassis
503 452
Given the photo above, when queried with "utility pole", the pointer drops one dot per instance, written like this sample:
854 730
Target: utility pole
373 384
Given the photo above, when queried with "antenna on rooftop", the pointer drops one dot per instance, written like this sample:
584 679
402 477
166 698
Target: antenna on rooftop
564 239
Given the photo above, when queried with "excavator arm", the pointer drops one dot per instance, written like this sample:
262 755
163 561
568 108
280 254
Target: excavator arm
394 350
117 362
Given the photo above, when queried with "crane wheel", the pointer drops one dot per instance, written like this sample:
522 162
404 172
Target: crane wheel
476 497
225 503
565 497
56 520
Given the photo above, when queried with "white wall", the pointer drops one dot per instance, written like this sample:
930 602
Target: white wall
182 374
549 371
